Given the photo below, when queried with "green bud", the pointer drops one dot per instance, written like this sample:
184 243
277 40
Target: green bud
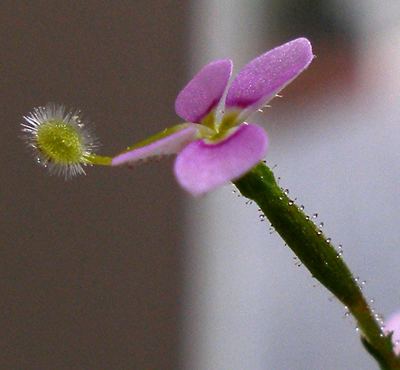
60 140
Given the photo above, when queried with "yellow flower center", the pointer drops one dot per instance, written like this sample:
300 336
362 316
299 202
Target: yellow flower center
214 130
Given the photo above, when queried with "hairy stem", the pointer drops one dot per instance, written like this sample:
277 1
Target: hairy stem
320 257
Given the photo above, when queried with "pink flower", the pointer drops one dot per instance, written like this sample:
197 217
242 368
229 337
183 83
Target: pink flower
393 325
215 145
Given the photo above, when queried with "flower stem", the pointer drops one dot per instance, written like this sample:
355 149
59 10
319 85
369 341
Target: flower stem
99 160
319 256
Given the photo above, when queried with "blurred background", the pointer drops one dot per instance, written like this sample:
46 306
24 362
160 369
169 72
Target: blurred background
121 269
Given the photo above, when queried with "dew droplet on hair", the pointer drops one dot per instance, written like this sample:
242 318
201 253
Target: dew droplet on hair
339 254
315 215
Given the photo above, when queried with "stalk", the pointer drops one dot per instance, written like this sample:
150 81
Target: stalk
319 256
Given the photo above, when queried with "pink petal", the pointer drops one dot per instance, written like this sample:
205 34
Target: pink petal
204 91
170 143
393 325
262 78
202 167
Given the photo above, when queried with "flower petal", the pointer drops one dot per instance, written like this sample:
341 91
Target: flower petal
392 324
204 91
201 166
262 78
169 141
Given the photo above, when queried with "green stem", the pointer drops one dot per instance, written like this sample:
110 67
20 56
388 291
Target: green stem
99 160
316 252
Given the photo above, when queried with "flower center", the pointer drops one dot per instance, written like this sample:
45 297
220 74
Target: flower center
60 142
215 131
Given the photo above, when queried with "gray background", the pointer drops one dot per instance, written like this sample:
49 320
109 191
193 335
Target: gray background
90 269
